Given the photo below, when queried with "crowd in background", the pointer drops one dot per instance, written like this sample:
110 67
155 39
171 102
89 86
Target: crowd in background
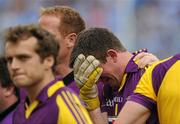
152 24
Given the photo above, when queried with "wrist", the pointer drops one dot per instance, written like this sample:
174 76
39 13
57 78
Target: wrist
91 103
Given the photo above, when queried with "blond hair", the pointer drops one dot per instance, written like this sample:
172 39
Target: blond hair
71 21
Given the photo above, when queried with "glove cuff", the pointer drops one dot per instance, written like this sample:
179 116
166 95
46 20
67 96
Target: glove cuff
91 104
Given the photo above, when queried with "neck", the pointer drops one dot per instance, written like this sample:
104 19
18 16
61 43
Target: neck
126 58
34 90
63 69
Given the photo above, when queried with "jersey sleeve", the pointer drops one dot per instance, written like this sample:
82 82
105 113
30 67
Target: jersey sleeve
144 93
148 87
70 109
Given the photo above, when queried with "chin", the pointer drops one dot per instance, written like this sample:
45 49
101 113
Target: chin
20 83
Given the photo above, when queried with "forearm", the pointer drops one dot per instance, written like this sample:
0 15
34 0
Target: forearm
132 113
98 117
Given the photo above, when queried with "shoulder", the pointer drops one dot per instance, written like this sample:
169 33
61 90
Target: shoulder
63 93
58 88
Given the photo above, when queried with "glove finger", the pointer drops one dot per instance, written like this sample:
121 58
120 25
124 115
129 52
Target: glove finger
94 77
79 60
93 65
83 67
89 92
99 72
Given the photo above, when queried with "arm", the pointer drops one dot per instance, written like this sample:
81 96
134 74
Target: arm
133 113
98 117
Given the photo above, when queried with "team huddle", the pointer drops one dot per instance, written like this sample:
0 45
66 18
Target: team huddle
59 72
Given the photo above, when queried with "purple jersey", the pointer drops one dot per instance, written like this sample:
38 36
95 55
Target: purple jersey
55 104
7 115
112 100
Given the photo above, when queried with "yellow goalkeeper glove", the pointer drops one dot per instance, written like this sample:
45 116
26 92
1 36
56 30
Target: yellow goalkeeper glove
86 74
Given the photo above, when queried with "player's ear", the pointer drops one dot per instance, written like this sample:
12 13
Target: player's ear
8 91
70 40
112 54
49 62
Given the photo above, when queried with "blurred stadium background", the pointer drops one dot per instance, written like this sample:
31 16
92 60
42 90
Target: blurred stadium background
151 24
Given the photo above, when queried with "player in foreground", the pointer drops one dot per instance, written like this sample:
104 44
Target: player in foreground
31 54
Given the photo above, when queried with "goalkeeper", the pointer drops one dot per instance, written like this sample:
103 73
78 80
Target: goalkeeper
99 55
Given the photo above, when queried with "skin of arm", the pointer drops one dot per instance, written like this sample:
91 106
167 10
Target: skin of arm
98 117
133 113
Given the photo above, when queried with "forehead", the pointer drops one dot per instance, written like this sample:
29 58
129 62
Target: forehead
21 47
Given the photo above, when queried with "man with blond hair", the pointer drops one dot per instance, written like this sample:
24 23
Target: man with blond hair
65 23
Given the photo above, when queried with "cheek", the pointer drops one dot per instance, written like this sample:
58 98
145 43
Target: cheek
59 39
35 67
62 46
107 71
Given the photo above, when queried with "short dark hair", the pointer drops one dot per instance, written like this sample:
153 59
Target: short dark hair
5 80
71 21
46 43
96 42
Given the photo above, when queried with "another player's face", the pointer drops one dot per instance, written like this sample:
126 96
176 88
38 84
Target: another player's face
51 23
1 99
24 64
